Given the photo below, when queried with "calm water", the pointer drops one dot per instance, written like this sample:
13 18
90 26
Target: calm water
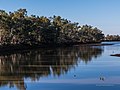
69 68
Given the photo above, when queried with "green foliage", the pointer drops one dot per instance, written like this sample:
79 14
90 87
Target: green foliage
90 34
19 28
112 38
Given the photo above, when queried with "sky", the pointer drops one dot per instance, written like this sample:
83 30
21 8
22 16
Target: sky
104 14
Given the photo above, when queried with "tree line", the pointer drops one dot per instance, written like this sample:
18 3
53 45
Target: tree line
112 38
19 28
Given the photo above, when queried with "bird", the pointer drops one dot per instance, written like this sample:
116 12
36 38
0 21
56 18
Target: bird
74 76
102 78
113 52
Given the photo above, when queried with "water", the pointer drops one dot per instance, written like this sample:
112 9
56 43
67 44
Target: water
69 68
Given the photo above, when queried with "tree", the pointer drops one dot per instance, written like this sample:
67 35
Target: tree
19 28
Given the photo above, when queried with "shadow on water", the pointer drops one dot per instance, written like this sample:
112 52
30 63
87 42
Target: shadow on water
35 64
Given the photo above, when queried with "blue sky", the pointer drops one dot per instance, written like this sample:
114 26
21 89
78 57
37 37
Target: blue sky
104 14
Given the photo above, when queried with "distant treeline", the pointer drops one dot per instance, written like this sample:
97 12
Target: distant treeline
19 28
112 38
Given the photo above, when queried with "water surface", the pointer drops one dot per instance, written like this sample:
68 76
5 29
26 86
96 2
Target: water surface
68 68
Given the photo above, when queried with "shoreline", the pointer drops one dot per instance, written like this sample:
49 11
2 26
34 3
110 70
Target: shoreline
25 47
116 55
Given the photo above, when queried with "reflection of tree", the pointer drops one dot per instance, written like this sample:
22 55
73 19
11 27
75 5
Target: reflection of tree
38 63
87 53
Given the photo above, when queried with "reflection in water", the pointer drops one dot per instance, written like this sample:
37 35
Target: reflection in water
15 68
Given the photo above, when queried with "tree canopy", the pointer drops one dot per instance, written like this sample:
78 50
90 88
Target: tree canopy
19 28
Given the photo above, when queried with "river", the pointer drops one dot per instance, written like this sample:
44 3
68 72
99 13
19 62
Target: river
80 67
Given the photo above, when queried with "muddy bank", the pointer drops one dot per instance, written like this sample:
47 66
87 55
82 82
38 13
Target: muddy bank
117 55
